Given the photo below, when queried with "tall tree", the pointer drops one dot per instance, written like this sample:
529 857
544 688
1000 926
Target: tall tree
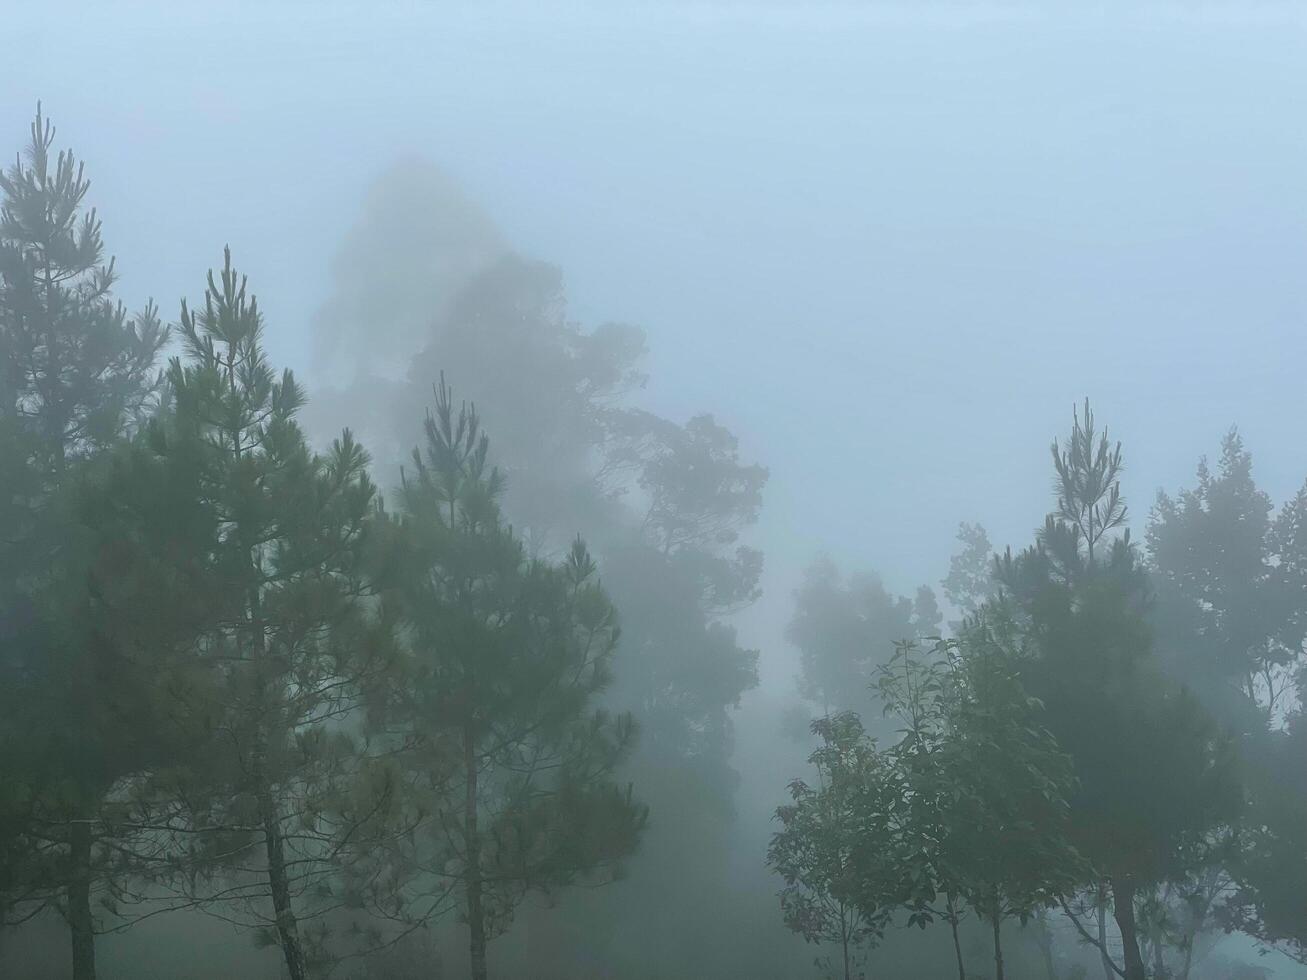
508 657
1154 776
282 793
560 398
665 507
1229 609
74 371
1231 621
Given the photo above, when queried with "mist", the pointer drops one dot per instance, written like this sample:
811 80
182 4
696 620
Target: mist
778 308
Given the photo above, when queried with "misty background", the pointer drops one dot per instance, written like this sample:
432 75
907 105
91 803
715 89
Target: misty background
886 245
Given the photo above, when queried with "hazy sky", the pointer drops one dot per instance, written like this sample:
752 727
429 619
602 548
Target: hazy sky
888 245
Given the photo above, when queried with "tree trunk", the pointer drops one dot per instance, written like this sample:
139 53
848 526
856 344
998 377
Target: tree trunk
1101 910
1123 909
847 975
1046 946
476 922
80 924
1050 965
1159 961
998 946
288 933
957 945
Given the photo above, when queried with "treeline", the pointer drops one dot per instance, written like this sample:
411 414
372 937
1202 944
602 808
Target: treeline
234 680
241 679
340 697
1107 730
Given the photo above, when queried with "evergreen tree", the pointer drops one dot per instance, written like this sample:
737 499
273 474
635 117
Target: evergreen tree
282 794
578 457
1154 776
74 373
75 367
501 736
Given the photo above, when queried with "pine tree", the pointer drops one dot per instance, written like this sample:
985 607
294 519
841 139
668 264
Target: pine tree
1154 776
75 372
283 791
507 658
75 367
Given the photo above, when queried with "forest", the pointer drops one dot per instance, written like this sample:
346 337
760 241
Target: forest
454 662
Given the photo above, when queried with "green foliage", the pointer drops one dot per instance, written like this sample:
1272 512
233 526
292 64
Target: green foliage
1088 483
1269 901
507 655
1155 777
988 785
838 850
846 629
75 368
1230 624
1230 582
78 688
969 804
970 582
282 789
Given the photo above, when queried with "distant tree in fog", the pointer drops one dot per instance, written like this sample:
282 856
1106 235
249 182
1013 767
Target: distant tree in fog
418 239
970 582
1231 620
846 629
1231 580
664 507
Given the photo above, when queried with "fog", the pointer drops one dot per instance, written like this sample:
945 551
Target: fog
889 247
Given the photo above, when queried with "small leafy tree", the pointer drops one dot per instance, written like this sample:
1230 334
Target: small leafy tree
987 785
501 743
838 848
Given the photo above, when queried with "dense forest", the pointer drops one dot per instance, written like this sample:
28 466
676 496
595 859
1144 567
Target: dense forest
433 671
